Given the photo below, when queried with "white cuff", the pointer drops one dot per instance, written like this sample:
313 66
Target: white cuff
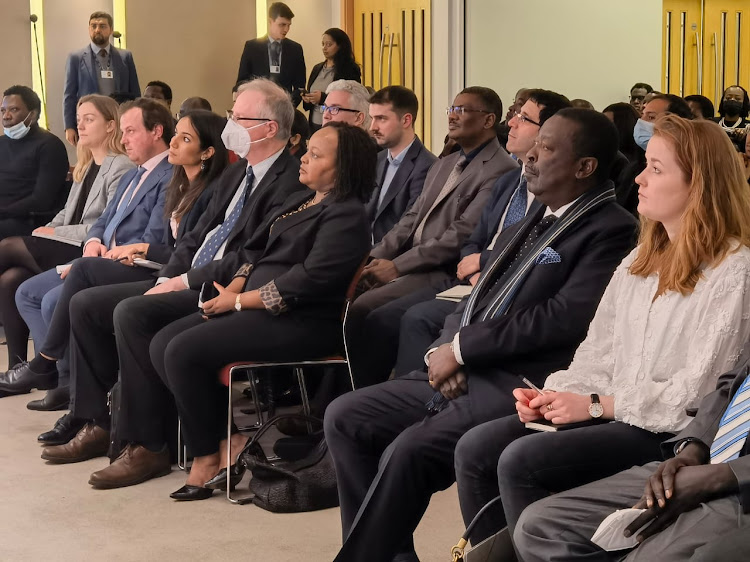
97 240
184 278
427 355
457 349
161 280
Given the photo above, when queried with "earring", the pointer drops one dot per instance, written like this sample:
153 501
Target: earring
203 164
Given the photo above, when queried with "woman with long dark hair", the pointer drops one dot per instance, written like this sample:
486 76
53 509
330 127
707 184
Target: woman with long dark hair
339 64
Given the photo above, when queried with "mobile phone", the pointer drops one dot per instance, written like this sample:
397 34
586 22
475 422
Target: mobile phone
208 292
303 92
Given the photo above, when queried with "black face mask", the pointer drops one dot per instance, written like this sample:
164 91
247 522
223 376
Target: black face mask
732 107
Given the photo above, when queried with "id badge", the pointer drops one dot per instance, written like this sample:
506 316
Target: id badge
275 69
107 74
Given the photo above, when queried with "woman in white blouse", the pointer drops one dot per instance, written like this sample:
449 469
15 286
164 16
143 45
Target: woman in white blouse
675 315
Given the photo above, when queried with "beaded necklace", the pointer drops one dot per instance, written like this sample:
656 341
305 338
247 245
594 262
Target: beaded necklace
299 209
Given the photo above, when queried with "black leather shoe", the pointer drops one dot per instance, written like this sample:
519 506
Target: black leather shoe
21 379
190 493
219 482
55 399
65 429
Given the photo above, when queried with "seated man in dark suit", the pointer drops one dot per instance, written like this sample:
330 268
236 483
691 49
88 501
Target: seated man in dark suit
422 250
697 503
403 166
274 56
246 195
393 444
33 166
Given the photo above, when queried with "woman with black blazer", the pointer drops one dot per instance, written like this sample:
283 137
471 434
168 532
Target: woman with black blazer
285 304
339 64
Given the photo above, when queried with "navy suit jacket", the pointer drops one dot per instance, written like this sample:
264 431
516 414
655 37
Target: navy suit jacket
80 79
254 64
144 217
404 189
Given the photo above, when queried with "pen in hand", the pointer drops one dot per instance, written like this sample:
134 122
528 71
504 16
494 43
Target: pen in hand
531 385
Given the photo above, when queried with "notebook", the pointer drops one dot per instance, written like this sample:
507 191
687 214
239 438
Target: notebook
56 238
455 294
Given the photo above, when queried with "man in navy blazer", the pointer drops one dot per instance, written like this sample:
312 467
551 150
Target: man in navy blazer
403 166
98 68
274 56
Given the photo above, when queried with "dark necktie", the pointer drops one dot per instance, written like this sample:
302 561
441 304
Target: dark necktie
275 53
212 245
103 53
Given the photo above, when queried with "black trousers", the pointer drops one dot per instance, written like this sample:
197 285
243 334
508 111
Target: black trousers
390 457
420 327
93 351
502 457
189 353
22 257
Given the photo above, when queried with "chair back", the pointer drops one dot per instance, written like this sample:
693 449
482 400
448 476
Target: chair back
350 293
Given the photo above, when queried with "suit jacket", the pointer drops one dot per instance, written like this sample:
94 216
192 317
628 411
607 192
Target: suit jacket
281 180
311 256
254 64
485 231
350 73
406 186
144 216
112 169
452 220
81 80
706 423
551 312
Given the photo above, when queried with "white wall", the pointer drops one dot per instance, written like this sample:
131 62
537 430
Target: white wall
592 49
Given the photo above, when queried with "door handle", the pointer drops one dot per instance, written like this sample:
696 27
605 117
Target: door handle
390 60
380 65
717 96
699 49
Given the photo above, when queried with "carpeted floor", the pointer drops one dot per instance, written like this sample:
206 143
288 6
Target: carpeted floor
50 513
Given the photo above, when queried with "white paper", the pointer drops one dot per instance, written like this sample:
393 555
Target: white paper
609 536
61 268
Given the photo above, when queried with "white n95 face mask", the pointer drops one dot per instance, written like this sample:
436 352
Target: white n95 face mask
19 130
237 138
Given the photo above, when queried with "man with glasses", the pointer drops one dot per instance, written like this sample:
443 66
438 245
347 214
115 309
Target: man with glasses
638 93
347 102
120 320
423 248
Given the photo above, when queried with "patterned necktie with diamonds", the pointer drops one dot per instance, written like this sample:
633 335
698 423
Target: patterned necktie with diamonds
212 245
734 427
517 208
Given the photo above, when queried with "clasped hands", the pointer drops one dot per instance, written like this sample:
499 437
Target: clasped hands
445 373
556 407
376 273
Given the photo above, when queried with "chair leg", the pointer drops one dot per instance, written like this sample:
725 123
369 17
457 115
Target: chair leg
303 392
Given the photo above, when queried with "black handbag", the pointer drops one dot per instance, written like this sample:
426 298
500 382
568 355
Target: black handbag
497 548
308 484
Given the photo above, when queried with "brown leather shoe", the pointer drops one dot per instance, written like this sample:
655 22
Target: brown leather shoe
135 464
90 442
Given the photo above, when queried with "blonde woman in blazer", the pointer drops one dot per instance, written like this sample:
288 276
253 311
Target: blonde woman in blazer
101 164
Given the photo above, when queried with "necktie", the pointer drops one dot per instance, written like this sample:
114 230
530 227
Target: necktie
109 231
516 210
212 245
103 53
447 186
733 428
275 53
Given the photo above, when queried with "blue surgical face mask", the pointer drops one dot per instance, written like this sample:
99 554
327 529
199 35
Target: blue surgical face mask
19 130
643 132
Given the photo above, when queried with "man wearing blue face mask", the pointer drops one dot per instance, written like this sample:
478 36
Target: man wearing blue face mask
657 106
33 166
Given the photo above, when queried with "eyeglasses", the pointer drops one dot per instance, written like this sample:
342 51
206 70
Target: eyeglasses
524 119
334 109
462 110
233 117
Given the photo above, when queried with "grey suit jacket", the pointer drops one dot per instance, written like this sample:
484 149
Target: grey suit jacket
706 423
452 219
112 169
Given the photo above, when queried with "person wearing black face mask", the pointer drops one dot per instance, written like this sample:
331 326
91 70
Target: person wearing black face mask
33 166
733 111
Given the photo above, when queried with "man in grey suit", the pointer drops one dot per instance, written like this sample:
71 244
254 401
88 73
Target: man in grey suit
423 248
403 166
697 503
98 68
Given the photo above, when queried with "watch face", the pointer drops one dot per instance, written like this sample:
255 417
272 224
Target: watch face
596 410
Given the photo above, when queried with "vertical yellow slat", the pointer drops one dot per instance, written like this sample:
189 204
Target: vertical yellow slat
419 72
427 99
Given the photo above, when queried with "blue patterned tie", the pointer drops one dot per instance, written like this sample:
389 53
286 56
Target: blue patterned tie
111 228
212 245
733 428
517 208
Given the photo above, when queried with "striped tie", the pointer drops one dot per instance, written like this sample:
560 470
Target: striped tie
734 427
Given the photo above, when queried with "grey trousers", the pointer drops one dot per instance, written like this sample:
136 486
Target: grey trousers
559 527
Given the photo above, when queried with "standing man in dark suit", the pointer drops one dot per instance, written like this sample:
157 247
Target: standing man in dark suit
697 502
274 56
393 444
99 68
402 168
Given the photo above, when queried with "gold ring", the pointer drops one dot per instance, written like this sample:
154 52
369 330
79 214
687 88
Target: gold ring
549 407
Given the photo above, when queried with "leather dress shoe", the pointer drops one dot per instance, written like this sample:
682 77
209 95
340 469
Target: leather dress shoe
20 379
65 429
135 464
91 442
190 493
219 482
55 399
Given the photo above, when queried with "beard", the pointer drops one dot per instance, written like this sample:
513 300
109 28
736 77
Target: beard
99 40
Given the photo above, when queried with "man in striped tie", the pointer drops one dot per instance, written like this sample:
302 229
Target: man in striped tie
696 504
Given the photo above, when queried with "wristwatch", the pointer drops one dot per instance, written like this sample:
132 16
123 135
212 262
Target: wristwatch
237 303
596 410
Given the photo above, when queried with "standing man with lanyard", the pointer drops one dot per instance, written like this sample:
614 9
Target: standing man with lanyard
274 56
98 68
